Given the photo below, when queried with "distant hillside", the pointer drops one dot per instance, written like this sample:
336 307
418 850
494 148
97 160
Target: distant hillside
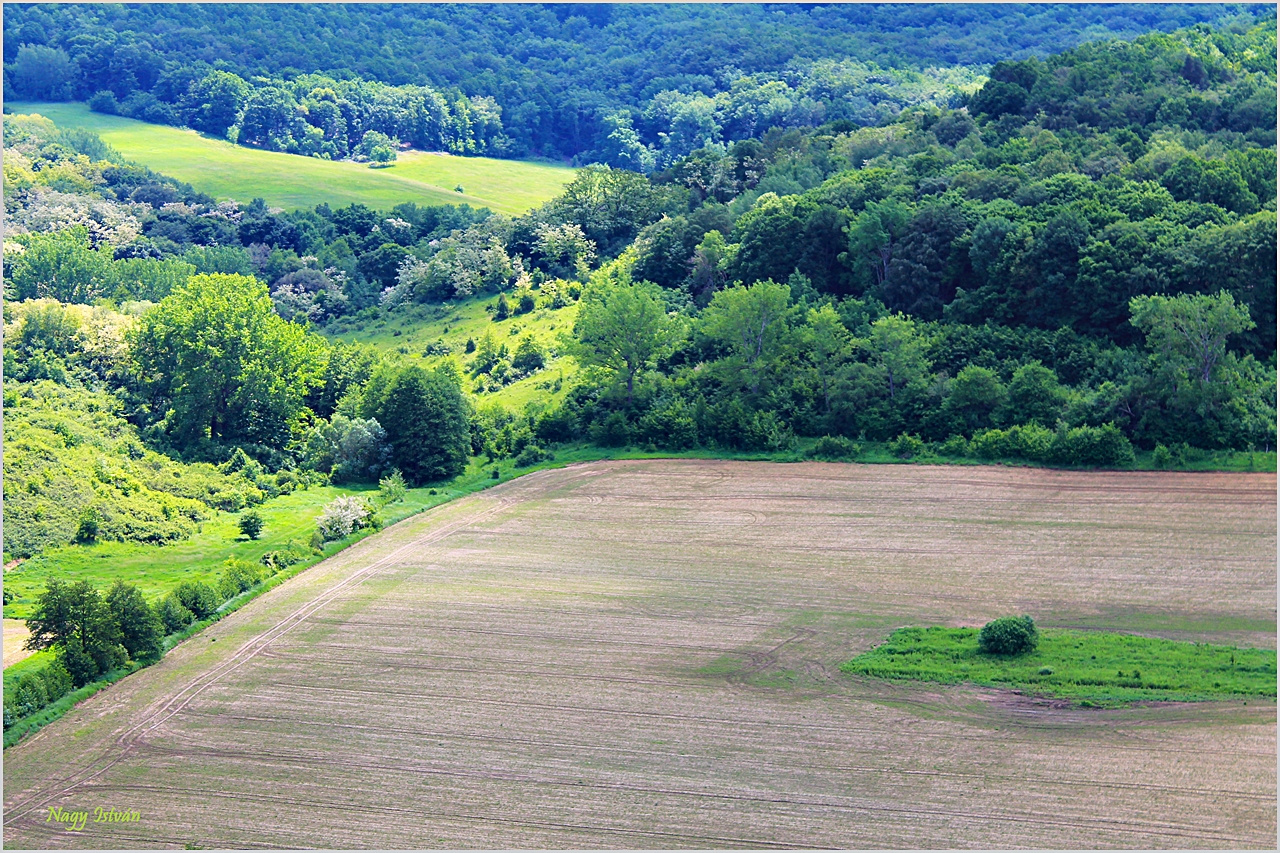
556 80
227 171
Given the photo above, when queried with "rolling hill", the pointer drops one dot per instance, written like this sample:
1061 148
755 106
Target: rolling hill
290 181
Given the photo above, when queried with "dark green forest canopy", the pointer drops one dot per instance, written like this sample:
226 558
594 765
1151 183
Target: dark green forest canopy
569 80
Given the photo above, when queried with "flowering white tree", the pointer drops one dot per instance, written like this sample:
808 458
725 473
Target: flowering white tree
341 516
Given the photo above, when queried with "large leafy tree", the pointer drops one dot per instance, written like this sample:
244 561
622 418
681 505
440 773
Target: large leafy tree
426 418
1206 394
139 625
623 327
214 102
73 619
214 361
752 323
1188 334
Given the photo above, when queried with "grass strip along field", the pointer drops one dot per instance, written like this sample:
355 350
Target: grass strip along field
290 181
646 654
1090 667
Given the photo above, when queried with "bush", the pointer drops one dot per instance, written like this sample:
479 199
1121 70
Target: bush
906 446
528 356
613 431
104 102
671 426
532 455
251 523
341 516
835 447
1103 445
282 558
392 488
90 525
237 576
198 597
1009 635
956 445
174 615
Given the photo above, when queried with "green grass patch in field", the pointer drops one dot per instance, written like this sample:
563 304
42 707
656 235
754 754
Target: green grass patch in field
1093 668
291 181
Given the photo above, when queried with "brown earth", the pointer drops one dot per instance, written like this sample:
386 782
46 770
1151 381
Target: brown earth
645 654
15 634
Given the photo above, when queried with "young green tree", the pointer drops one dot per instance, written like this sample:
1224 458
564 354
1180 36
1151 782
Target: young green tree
898 348
1034 396
73 618
392 488
976 393
829 344
622 327
426 419
251 523
378 147
217 362
752 323
140 627
528 355
502 308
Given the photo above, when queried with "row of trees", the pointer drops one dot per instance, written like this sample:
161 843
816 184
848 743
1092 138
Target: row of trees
759 364
92 634
593 81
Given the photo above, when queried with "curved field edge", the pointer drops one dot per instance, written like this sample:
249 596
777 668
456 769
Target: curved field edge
224 170
479 477
1091 668
399 661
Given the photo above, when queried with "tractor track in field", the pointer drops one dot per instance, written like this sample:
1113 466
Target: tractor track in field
646 654
242 655
317 757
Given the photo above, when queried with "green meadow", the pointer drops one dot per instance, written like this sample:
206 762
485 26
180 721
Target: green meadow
407 332
1090 667
289 181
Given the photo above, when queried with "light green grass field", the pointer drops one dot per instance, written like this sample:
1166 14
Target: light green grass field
1088 666
157 569
407 331
290 181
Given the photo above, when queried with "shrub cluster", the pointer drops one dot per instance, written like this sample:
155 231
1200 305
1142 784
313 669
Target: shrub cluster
1009 635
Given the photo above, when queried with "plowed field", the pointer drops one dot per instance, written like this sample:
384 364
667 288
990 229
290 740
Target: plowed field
644 654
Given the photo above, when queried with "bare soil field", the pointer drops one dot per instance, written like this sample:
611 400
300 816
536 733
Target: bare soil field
15 634
644 655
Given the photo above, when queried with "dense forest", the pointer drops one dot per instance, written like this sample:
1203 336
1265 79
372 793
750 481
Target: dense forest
1078 261
631 86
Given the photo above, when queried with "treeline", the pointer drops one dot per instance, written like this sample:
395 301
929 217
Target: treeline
914 280
595 82
93 635
1006 275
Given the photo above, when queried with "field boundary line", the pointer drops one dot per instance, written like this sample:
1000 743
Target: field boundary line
242 655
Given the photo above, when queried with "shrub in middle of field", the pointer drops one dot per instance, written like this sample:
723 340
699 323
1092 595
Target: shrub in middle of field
1009 635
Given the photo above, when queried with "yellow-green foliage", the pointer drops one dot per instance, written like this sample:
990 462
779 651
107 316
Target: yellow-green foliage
292 181
70 457
430 334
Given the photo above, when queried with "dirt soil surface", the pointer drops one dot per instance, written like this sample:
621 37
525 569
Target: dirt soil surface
15 634
644 655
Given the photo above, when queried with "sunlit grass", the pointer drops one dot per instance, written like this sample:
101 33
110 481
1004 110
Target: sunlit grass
227 171
1091 666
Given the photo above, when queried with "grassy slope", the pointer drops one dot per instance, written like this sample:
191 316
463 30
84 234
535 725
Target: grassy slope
223 170
406 332
1096 667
